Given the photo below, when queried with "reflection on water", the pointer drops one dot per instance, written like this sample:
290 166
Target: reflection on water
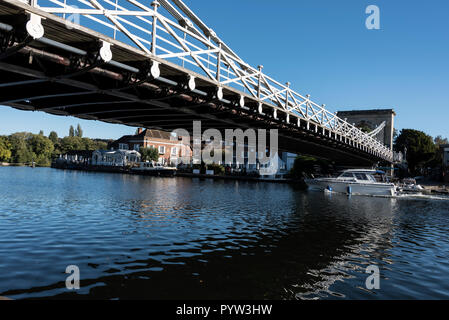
167 238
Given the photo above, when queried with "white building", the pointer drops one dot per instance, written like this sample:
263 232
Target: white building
116 158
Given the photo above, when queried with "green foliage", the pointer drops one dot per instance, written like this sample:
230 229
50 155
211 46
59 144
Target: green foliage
5 149
53 136
42 148
439 140
25 147
305 165
365 128
218 169
302 166
149 154
420 147
79 131
71 132
21 152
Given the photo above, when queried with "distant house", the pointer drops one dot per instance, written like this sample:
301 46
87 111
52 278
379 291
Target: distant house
171 150
115 158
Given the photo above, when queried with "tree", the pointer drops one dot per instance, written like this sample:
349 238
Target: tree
305 165
5 149
41 145
79 131
72 143
439 140
20 150
420 149
364 126
149 154
41 133
71 132
53 136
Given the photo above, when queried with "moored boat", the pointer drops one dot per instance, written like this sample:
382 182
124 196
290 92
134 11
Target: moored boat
354 181
152 168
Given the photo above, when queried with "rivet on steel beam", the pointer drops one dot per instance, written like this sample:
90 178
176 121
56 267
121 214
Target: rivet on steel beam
105 51
34 26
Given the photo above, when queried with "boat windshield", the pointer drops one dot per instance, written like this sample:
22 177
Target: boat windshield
346 175
361 176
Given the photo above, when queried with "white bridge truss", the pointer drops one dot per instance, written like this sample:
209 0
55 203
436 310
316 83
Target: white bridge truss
169 30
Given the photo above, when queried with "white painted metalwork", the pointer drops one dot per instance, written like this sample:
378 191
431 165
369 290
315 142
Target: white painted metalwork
169 30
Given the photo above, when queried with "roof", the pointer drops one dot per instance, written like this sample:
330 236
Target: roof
147 133
116 151
150 133
84 153
361 170
363 112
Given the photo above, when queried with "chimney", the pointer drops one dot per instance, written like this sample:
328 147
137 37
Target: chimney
139 131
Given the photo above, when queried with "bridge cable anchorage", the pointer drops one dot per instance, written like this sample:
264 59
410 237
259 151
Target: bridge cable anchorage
105 51
34 26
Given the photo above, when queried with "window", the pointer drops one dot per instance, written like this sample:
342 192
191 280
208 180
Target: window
347 175
137 147
123 146
361 176
161 149
174 151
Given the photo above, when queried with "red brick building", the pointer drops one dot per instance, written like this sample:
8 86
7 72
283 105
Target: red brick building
171 149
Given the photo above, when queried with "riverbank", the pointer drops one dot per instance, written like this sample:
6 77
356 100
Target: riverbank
7 164
112 169
242 178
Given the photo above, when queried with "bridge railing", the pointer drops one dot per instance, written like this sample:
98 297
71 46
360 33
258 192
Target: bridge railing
171 31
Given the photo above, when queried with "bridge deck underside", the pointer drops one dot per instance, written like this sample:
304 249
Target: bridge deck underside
42 77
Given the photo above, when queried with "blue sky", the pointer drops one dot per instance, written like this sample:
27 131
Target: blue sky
324 49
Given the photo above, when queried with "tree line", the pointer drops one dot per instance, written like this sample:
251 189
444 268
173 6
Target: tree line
420 149
26 147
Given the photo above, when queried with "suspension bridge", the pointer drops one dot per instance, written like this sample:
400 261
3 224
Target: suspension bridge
156 64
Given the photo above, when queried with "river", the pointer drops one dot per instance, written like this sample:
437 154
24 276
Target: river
180 238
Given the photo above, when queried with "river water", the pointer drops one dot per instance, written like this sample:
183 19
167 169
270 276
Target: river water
181 238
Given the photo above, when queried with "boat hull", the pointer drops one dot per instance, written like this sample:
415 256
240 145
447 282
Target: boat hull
372 189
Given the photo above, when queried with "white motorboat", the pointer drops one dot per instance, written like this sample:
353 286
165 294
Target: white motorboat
354 181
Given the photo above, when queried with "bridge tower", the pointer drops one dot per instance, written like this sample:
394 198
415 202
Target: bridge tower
373 119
